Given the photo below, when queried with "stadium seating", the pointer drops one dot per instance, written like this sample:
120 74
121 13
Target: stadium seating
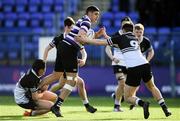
33 18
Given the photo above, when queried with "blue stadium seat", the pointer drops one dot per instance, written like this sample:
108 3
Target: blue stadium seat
20 8
134 16
22 23
13 55
119 15
38 31
35 2
48 2
49 16
37 16
58 8
35 23
21 2
36 19
48 23
7 2
33 8
50 31
7 8
10 19
25 16
151 33
107 18
46 8
60 2
107 15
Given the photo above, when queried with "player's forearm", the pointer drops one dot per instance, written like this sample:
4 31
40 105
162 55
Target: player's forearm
46 51
109 52
83 54
150 55
97 41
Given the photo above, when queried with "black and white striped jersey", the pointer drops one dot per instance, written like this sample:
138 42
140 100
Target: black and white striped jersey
27 84
130 49
83 23
117 53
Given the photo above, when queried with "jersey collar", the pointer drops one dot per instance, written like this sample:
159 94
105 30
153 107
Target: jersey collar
35 73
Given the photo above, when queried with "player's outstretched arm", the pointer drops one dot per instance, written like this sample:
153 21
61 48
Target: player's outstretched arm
46 51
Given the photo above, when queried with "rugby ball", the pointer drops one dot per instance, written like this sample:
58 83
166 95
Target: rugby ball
90 34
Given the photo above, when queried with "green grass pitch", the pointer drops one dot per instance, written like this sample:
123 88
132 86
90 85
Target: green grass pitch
73 110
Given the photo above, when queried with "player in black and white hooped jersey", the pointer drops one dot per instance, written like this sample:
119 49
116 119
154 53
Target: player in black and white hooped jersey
138 68
27 94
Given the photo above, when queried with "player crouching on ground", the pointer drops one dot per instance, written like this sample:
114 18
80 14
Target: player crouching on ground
28 96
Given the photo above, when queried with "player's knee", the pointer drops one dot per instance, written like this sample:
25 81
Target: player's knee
120 77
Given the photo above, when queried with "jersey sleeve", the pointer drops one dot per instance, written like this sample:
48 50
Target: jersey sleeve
113 40
53 42
149 45
56 40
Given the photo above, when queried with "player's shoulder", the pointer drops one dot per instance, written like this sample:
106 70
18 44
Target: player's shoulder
146 38
59 37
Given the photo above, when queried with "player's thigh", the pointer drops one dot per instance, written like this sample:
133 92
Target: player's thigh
47 95
129 91
57 74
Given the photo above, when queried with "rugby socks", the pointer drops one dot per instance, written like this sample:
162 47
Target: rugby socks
164 107
116 103
162 104
86 103
58 102
139 102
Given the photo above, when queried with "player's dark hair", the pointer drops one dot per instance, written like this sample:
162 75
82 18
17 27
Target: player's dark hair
92 8
128 27
37 65
68 21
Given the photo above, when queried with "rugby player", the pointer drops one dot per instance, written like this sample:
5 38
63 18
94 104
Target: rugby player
58 69
119 68
138 68
69 48
28 96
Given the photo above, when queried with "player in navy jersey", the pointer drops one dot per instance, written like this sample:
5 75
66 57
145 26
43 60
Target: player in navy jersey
138 68
27 94
58 69
69 49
